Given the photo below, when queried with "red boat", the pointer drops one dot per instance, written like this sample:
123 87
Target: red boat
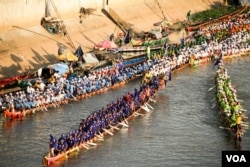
10 114
8 82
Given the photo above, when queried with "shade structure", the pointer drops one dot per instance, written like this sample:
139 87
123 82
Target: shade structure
163 23
67 57
61 68
106 45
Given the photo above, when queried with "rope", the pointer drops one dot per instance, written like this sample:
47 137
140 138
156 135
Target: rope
161 9
64 27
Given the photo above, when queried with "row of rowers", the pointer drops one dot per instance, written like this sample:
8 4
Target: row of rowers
235 44
61 90
227 98
102 120
231 25
226 93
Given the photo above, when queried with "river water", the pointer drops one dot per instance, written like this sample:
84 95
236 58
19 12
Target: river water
182 130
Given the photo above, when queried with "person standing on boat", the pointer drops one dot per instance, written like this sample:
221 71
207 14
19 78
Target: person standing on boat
189 15
60 50
111 37
52 145
148 52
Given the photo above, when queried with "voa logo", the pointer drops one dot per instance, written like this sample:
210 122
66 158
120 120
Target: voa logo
236 158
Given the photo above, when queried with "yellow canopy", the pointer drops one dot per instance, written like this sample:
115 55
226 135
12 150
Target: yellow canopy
67 57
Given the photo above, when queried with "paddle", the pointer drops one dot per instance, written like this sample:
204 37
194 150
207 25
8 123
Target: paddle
92 144
214 105
145 108
114 127
108 131
123 124
152 100
125 120
221 127
211 88
99 137
149 106
242 124
243 109
137 114
83 145
34 111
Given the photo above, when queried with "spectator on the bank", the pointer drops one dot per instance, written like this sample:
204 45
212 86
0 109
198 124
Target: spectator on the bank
60 50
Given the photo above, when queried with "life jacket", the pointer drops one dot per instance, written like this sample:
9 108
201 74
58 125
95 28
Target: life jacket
238 119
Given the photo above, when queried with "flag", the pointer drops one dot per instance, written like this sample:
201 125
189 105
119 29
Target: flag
217 61
79 52
127 37
169 75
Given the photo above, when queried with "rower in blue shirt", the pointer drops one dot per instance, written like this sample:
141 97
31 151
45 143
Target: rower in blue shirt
52 145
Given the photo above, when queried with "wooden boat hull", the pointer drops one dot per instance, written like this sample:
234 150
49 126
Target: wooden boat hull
197 26
49 160
12 115
8 82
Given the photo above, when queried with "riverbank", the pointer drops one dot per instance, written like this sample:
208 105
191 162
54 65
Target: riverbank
27 48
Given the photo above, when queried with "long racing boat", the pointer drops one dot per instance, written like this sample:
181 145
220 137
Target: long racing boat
118 121
231 110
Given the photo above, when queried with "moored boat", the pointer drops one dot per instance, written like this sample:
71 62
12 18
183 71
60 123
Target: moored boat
12 81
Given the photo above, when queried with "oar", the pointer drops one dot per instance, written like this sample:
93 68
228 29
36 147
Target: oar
106 130
145 108
221 127
34 111
213 106
149 106
98 136
125 120
85 146
137 114
73 96
92 144
242 124
213 100
211 88
114 127
123 124
152 100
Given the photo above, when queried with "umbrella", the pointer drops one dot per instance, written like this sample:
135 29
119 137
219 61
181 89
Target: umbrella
106 45
61 68
67 57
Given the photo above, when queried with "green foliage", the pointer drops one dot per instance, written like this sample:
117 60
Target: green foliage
212 13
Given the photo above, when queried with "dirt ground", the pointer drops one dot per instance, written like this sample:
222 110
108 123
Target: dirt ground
24 49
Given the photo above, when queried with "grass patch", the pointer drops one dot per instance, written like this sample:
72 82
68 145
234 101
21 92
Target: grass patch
212 13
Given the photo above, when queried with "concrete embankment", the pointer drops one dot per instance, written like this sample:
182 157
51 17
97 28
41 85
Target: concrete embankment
25 45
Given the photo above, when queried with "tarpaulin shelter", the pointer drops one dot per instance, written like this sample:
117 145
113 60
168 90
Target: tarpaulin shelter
46 72
106 45
67 57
